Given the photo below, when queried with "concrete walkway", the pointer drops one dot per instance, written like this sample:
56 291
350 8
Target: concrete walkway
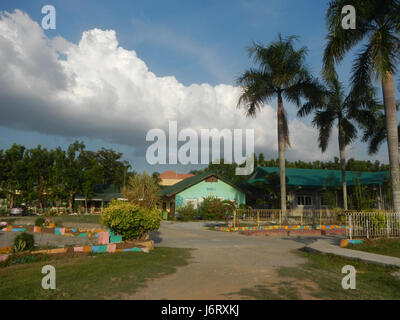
326 246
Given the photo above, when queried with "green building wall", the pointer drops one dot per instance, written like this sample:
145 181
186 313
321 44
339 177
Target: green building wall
205 189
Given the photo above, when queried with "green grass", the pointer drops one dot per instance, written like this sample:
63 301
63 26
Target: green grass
384 246
95 276
323 274
78 218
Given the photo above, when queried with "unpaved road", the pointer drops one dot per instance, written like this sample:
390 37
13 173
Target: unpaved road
222 263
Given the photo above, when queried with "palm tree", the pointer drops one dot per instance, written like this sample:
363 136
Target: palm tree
378 25
373 123
282 74
337 108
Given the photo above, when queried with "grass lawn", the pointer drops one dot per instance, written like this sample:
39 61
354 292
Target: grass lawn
385 246
321 277
93 276
79 218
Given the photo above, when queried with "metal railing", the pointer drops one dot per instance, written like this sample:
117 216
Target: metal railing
373 224
263 217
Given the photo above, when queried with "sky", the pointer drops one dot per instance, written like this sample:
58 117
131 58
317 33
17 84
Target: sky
113 70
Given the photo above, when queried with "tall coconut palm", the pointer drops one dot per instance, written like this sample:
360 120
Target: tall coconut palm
377 27
342 110
281 74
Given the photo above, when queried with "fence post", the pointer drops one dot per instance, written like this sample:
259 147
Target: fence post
234 218
301 217
258 218
387 227
280 217
367 228
350 228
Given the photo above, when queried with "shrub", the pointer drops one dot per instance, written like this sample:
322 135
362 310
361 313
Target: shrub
187 212
130 220
23 242
51 213
215 209
378 221
39 222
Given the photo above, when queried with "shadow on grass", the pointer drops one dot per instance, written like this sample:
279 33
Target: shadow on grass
283 290
321 278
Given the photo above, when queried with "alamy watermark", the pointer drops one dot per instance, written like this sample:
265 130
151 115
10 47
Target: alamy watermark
349 20
49 20
189 152
349 281
49 280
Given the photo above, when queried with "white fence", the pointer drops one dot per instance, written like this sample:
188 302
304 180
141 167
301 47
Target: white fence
373 224
263 217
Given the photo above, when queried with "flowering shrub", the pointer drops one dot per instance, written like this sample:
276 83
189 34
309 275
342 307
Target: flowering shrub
215 209
187 212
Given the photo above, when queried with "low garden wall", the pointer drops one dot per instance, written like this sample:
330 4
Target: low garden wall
108 242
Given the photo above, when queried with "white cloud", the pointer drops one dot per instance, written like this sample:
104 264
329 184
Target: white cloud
100 90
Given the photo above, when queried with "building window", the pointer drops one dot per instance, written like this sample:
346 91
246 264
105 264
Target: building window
323 201
164 206
304 200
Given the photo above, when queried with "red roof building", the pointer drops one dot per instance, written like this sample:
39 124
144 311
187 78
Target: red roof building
169 178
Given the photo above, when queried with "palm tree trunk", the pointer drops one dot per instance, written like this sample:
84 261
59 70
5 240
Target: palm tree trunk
342 150
281 150
392 137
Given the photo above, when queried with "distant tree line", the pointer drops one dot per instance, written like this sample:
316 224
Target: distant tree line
351 164
38 176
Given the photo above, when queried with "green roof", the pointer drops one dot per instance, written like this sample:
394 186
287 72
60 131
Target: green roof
103 192
319 178
168 191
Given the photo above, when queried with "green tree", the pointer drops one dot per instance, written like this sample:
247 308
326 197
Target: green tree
13 167
341 109
38 163
142 190
156 177
378 25
73 172
3 177
58 191
113 169
91 174
281 74
261 159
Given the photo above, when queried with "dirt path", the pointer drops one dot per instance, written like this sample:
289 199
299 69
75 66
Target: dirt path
222 263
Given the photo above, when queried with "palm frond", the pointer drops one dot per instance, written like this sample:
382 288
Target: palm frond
349 130
324 120
256 90
339 40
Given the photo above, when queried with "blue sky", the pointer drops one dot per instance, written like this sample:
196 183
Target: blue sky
194 41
